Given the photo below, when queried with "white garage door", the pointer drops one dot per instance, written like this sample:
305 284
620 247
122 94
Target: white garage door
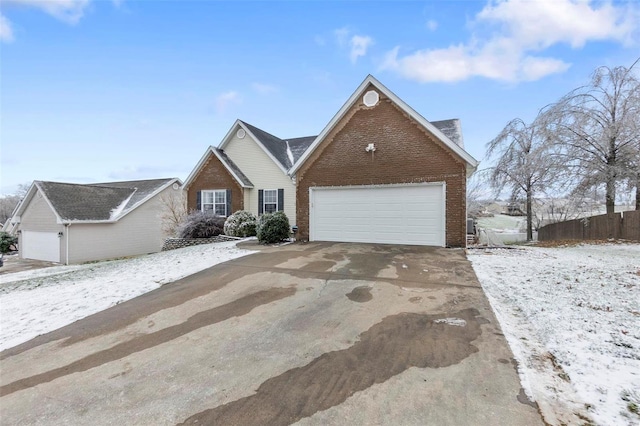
412 215
41 246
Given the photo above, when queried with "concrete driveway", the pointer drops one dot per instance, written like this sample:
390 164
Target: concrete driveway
312 334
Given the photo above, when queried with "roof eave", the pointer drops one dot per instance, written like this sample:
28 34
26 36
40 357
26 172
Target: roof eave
230 170
148 197
403 105
229 135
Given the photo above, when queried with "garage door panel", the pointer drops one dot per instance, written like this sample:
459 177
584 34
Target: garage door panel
394 215
41 245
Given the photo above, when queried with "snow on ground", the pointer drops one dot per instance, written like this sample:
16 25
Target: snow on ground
572 318
38 301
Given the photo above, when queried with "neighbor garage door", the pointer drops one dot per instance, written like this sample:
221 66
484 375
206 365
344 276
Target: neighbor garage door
40 245
412 215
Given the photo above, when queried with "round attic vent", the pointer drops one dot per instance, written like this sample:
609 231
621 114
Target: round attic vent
175 186
371 98
241 133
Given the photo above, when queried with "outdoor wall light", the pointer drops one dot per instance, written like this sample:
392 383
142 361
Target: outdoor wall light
370 148
60 234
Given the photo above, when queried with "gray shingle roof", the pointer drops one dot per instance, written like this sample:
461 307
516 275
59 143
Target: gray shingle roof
97 202
276 146
231 165
299 145
451 129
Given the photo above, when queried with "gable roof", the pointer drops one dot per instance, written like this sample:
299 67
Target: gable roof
231 167
283 152
472 163
99 202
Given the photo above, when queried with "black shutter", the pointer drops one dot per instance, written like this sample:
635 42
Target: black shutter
229 202
199 200
260 201
280 199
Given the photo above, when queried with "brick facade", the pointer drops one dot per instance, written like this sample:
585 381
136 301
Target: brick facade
214 175
405 153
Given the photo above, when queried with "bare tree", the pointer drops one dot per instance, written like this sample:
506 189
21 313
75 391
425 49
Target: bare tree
8 203
525 163
478 193
599 127
174 210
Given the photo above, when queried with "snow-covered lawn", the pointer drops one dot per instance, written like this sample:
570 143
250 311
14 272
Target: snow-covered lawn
572 318
38 301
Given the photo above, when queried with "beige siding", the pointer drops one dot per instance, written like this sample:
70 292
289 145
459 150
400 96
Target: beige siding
139 232
38 216
263 173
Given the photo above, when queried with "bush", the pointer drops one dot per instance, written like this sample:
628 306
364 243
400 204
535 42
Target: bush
241 224
273 228
6 241
201 225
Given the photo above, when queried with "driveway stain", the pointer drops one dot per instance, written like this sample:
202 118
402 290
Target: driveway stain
121 316
239 307
387 349
360 294
365 263
319 265
524 399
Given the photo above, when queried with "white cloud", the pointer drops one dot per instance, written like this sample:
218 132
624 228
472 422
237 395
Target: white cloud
224 100
518 31
342 36
264 89
432 25
69 11
6 32
359 45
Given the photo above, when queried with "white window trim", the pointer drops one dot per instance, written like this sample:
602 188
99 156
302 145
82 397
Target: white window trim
202 203
264 203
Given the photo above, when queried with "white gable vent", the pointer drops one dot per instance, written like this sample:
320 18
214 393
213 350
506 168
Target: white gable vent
241 133
371 98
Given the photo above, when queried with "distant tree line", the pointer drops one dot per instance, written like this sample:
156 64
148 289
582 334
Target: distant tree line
9 202
588 139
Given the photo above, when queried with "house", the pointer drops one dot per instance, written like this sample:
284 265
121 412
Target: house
247 171
378 172
73 223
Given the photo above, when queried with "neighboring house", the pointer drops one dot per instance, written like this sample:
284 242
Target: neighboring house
247 171
73 223
379 172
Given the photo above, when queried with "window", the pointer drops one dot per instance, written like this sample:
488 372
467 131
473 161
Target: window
270 203
216 201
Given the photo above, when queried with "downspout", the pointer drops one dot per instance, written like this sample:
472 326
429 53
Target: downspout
68 226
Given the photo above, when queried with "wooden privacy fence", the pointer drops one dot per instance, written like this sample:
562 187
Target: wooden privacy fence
625 226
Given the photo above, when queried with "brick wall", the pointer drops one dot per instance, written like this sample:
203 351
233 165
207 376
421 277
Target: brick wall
214 175
405 153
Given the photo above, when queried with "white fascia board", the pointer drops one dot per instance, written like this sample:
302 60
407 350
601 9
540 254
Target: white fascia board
229 135
144 200
197 168
403 105
230 170
36 184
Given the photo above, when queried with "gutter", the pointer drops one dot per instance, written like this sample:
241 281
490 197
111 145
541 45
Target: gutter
68 227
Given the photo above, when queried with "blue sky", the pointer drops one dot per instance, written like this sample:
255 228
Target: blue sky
95 91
